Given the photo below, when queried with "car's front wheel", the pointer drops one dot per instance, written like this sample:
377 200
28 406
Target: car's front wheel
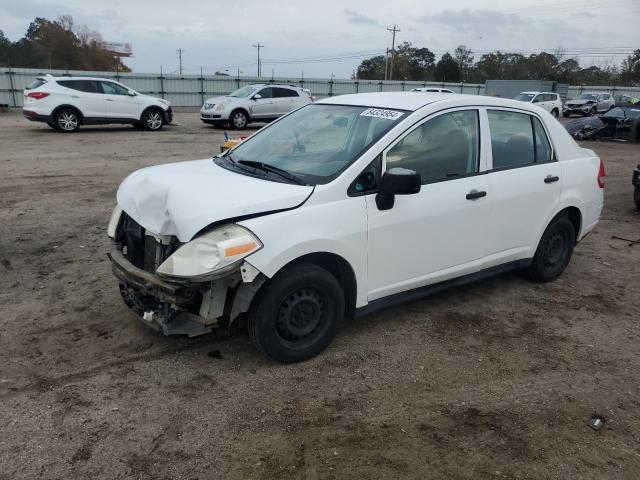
238 120
554 250
152 120
636 196
296 314
67 120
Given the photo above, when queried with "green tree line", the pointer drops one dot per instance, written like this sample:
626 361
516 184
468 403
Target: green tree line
411 63
58 44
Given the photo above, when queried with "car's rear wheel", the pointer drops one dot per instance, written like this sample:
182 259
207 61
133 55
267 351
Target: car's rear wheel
554 250
636 196
67 120
296 314
555 112
152 120
238 120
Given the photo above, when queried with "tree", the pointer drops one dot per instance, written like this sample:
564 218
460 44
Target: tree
464 59
372 68
630 69
447 69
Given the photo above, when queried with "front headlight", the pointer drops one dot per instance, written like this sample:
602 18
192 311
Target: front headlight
214 252
113 222
219 107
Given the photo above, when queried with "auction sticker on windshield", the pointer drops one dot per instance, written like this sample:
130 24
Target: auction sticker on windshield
382 113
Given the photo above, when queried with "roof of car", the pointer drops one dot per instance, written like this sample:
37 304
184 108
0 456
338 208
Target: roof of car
80 78
411 102
272 85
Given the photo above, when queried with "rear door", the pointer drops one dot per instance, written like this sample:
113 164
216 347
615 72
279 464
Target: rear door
119 103
286 99
525 183
85 95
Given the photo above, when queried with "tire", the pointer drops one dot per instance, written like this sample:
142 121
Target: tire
555 112
152 119
238 120
636 196
594 111
554 250
296 314
67 120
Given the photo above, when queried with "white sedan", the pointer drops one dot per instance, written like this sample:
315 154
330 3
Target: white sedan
348 205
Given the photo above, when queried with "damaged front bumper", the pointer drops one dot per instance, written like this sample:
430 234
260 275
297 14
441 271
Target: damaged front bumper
185 308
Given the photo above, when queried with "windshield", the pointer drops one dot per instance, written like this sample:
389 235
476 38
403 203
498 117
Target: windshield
243 92
317 142
588 96
524 97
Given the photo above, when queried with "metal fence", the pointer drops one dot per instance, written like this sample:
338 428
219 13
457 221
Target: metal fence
192 90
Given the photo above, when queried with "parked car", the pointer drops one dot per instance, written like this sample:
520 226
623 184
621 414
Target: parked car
550 101
259 102
431 90
619 123
589 103
65 103
626 101
348 205
635 181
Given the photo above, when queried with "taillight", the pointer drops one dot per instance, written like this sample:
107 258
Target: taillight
37 95
601 175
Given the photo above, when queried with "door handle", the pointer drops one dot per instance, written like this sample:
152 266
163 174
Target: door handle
475 194
75 96
109 99
551 179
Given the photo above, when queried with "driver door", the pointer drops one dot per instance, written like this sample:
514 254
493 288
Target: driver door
264 107
119 103
438 233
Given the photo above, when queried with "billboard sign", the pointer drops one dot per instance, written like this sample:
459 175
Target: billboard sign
119 49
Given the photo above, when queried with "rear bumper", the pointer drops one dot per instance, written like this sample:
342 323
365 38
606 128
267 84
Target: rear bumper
35 117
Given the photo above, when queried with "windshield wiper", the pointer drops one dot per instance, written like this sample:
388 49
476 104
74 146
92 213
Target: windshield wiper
265 167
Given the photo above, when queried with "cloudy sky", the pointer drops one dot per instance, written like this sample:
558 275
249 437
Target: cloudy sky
332 36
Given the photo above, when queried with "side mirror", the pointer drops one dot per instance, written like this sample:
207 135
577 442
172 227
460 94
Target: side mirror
131 93
396 181
257 96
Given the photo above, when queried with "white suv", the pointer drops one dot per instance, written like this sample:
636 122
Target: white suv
260 102
550 101
65 103
348 205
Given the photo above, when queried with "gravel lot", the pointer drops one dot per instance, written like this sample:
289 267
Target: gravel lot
494 380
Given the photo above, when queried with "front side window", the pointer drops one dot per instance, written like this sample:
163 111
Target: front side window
266 92
316 142
517 140
111 88
444 147
244 92
524 97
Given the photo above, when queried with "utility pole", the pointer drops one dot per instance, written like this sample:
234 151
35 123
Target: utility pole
393 31
258 46
180 50
386 64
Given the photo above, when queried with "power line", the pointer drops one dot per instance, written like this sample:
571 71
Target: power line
258 46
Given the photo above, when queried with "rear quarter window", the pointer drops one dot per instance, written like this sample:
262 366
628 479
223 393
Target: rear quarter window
38 82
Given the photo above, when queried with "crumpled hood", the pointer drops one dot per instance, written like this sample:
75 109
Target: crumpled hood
580 102
183 198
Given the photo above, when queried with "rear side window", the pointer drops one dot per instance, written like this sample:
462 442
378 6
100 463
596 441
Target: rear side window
517 140
38 82
443 148
284 92
111 88
89 86
266 92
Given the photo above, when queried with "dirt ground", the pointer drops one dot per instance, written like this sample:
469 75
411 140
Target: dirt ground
493 380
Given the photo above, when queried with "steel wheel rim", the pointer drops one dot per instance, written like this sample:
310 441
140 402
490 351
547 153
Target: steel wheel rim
154 121
554 249
301 318
68 121
239 120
